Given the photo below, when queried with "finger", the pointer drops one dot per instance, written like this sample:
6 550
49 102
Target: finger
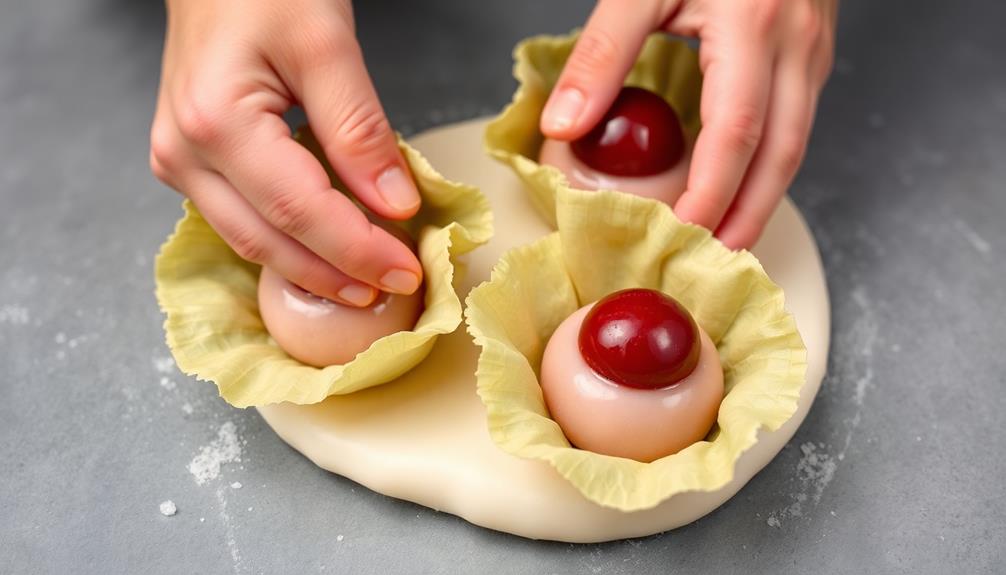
288 186
252 238
735 90
170 156
778 157
596 69
164 148
349 122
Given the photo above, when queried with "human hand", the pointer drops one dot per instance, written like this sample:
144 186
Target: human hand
764 63
230 70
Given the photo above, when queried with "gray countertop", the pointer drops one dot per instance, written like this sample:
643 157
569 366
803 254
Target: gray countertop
898 468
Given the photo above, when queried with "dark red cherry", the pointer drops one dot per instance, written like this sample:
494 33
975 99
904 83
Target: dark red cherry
640 338
639 136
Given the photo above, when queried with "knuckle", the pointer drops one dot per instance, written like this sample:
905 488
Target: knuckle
248 246
807 23
200 116
161 144
313 275
765 15
355 252
353 255
743 130
164 151
289 213
596 50
158 169
363 128
319 43
791 154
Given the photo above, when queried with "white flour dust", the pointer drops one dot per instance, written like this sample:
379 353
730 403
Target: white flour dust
164 364
980 244
226 448
817 467
232 544
14 314
168 508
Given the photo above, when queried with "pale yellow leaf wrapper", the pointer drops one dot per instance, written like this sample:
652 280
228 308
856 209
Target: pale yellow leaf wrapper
215 332
609 241
665 66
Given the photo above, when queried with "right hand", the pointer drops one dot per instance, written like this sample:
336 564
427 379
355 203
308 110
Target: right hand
763 62
230 70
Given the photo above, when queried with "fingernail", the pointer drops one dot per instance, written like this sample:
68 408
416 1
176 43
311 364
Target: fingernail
397 189
358 295
400 281
563 108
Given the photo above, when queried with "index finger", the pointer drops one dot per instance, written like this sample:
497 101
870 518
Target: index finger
595 70
289 187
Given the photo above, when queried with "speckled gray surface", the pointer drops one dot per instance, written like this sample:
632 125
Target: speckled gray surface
898 468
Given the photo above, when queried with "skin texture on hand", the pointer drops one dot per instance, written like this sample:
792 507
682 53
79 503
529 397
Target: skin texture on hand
764 63
229 72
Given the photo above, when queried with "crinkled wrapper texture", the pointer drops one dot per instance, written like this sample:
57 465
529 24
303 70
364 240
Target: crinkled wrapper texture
608 241
665 66
215 332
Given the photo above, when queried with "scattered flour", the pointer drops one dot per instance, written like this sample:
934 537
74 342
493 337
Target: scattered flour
187 408
72 342
226 448
14 314
168 508
168 384
816 468
236 485
164 364
339 537
980 244
232 544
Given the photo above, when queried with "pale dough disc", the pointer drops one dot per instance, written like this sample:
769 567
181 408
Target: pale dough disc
423 438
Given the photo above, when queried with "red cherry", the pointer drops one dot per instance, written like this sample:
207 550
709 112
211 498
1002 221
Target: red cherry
639 136
640 338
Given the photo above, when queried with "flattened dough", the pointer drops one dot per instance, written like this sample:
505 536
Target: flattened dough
423 438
